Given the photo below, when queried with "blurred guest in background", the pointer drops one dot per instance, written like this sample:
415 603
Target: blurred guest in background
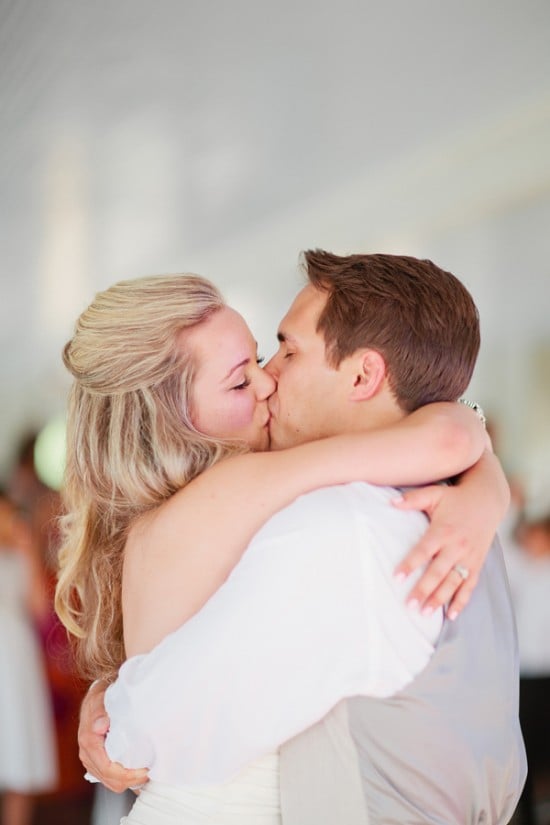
28 762
528 563
527 548
40 506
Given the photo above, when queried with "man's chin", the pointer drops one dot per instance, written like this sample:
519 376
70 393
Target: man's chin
264 443
280 440
274 439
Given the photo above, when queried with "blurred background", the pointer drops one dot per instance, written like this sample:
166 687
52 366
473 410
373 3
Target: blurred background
223 138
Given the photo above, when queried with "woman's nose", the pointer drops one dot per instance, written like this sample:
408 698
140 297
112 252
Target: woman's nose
266 384
271 368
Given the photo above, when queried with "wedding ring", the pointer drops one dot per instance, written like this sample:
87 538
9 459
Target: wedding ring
462 571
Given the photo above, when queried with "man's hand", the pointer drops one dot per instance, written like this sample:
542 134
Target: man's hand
93 728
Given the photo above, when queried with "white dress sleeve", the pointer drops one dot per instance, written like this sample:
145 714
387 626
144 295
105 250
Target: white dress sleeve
285 638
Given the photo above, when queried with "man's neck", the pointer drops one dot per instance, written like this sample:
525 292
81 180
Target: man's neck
374 414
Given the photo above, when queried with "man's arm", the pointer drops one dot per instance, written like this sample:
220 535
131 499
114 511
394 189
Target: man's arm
309 616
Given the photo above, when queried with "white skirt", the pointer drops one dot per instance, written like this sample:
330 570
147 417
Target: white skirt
251 798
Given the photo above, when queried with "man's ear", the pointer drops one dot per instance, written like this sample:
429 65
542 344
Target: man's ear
370 375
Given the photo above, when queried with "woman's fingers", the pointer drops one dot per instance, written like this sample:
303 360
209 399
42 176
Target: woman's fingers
443 548
432 586
453 590
426 499
420 498
429 549
462 597
442 584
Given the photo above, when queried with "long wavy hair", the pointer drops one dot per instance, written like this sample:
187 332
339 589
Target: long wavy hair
131 444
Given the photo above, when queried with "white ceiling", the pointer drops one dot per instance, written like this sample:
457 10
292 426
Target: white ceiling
141 136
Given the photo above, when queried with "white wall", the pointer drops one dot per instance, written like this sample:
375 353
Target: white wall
139 138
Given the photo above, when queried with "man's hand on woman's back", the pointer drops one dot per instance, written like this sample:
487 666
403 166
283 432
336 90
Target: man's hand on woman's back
93 728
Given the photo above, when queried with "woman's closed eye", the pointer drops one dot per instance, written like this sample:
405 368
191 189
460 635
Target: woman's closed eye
246 382
243 385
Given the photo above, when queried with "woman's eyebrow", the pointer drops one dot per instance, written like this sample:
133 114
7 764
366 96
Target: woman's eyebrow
242 363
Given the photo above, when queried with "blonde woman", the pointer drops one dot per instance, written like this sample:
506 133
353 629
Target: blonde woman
168 477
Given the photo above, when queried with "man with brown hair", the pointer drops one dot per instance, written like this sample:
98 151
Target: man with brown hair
412 321
388 334
421 715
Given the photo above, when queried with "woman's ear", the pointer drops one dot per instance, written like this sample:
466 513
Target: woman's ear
370 375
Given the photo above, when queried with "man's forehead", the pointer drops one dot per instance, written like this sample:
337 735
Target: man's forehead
304 312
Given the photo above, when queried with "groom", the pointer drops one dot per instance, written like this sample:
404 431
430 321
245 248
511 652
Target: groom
431 732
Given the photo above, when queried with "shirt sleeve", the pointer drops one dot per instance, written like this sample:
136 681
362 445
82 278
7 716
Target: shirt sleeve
285 638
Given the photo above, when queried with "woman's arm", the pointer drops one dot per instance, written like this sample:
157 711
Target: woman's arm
178 556
464 519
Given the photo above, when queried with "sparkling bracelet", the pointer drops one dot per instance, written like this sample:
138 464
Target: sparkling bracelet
473 405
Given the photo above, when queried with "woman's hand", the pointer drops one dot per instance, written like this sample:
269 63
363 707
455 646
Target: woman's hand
93 728
463 522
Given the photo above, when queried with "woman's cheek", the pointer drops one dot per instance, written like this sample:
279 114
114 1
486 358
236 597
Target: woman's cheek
240 413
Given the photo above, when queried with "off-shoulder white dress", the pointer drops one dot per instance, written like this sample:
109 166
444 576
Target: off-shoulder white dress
251 798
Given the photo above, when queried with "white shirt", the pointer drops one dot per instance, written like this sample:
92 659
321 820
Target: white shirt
312 614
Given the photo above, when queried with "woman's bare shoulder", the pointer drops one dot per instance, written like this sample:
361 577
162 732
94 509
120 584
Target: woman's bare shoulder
166 577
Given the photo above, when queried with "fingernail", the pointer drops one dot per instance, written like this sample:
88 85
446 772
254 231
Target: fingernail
452 614
397 500
428 610
413 604
400 576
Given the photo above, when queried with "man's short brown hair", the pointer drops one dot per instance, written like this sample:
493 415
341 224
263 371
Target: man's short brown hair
421 319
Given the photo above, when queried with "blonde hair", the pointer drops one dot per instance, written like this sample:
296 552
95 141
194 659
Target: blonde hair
130 444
